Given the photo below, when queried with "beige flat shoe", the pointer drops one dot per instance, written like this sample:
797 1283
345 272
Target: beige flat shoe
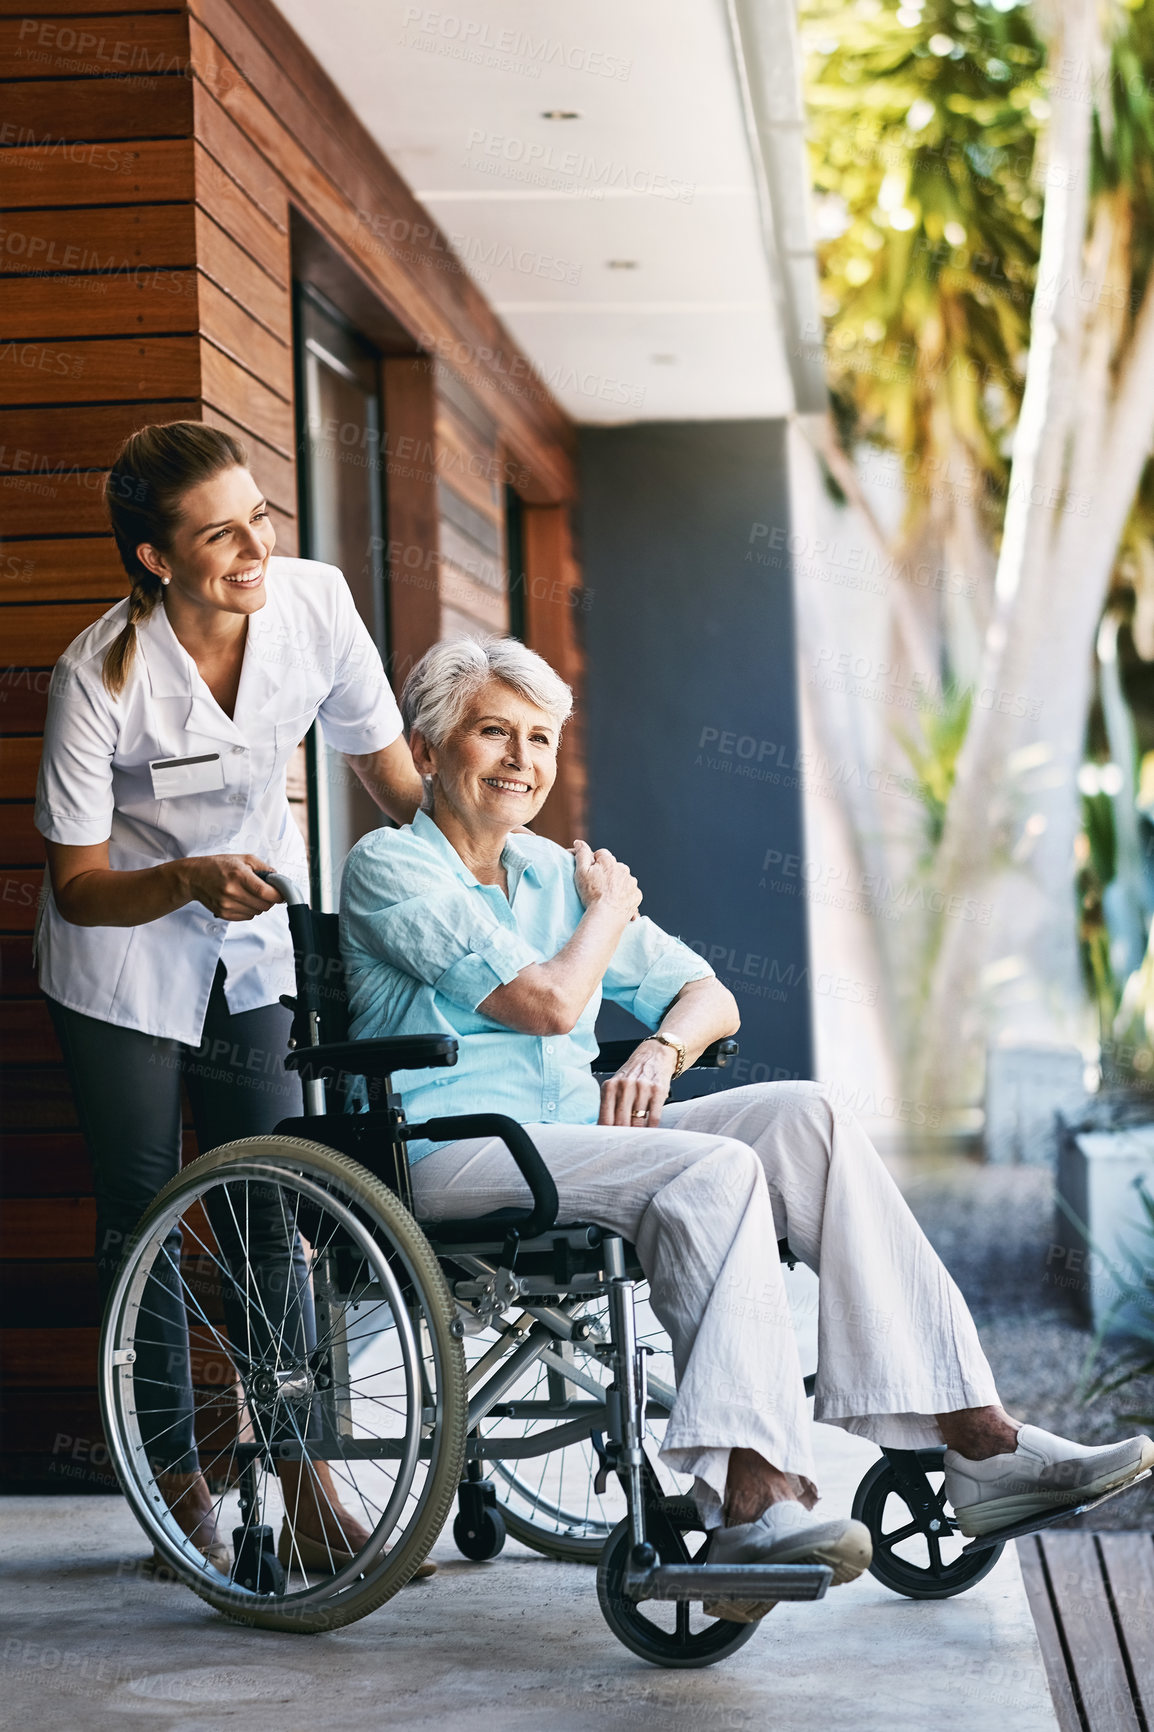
300 1549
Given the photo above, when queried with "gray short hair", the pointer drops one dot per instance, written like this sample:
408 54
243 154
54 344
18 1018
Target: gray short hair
440 688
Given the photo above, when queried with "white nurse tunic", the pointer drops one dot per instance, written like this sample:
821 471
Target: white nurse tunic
107 773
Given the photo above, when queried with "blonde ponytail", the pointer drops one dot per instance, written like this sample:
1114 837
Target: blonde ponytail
119 656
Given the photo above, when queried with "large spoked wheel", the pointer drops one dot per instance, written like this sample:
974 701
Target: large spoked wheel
548 1501
670 1633
324 1382
910 1556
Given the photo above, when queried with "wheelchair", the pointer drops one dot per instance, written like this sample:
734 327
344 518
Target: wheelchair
507 1365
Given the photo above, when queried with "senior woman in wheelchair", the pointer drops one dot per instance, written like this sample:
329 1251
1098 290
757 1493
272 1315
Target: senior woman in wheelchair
464 922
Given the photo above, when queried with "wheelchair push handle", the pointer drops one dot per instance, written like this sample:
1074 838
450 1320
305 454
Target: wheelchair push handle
523 1150
285 887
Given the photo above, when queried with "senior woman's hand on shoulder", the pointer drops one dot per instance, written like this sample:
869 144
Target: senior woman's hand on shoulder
601 877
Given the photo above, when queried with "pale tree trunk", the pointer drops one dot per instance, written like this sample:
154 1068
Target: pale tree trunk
1015 804
980 818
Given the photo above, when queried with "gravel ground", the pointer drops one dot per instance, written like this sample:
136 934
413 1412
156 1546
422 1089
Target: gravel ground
993 1228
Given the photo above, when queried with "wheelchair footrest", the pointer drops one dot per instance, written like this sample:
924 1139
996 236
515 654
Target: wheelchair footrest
750 1582
1035 1523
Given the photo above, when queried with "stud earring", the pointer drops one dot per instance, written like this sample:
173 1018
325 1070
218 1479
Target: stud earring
166 581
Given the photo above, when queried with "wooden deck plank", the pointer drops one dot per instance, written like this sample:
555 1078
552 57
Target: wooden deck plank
1129 1560
1049 1640
1079 1595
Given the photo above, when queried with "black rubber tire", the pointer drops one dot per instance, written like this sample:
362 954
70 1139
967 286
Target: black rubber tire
627 1619
321 1608
480 1540
899 1574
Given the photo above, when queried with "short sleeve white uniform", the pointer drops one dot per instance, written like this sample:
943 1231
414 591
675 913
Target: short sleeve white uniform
308 654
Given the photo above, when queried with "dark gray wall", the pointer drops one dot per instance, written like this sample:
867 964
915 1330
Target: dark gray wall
691 708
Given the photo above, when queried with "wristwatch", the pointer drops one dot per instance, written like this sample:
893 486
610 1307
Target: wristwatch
678 1047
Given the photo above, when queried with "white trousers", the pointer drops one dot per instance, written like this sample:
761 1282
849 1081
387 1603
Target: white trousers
705 1197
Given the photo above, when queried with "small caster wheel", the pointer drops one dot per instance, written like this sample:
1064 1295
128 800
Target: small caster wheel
667 1633
922 1557
479 1536
257 1566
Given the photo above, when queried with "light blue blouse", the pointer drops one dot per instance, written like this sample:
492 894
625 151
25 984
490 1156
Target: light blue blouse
424 944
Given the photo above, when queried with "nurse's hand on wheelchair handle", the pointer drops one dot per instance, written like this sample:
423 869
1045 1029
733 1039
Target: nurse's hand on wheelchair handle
228 886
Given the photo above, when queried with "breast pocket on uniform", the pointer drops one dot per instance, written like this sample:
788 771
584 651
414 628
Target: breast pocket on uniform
287 736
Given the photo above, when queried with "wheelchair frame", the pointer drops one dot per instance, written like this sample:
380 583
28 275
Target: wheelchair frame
550 1272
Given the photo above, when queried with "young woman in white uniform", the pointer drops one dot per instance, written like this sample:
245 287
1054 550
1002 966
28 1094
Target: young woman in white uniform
171 722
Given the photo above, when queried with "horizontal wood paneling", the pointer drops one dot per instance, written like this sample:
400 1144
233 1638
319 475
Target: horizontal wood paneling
19 894
82 8
26 1034
39 111
101 174
78 436
230 327
19 762
21 844
237 272
35 636
40 1164
55 307
79 370
246 400
229 205
225 142
152 43
47 1295
57 1357
48 1227
17 975
91 239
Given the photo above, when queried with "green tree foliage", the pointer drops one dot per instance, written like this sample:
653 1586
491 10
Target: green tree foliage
924 126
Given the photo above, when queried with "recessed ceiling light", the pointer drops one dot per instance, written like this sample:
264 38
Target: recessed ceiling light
560 114
622 264
664 360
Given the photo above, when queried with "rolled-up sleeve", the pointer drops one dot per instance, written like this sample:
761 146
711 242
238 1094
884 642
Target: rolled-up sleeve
74 793
648 969
429 925
360 713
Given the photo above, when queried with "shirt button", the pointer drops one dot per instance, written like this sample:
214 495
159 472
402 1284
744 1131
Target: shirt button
236 750
551 1106
549 1046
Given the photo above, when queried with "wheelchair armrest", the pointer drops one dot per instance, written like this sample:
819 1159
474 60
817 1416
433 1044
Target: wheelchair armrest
524 1152
372 1058
613 1054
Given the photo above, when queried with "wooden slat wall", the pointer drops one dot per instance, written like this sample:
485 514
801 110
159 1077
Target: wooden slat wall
153 160
100 334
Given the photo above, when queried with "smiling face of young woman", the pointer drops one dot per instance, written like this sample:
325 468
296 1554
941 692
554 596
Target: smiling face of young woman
220 548
495 771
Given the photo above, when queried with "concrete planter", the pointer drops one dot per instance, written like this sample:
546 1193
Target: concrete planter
1099 1172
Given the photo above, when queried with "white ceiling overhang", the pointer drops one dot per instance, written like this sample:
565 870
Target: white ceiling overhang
651 254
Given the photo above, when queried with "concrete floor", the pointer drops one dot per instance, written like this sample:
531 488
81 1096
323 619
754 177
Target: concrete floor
517 1645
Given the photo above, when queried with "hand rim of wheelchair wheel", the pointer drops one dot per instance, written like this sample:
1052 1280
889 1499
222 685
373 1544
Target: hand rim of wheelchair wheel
902 1575
681 1649
371 1576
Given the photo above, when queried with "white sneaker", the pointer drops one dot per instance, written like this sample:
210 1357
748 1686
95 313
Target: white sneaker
787 1533
1043 1474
